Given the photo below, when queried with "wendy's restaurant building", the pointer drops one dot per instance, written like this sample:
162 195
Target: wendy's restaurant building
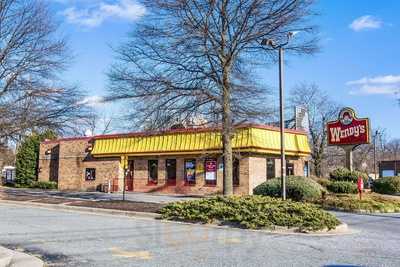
181 161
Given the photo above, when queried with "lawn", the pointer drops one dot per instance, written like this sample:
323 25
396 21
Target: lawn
371 202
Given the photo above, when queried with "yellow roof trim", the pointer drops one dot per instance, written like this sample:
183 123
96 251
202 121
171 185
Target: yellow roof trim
246 139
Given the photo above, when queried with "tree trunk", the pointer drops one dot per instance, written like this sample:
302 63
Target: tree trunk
227 135
227 144
227 131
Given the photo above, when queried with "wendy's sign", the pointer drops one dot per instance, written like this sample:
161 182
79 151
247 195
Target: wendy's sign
348 129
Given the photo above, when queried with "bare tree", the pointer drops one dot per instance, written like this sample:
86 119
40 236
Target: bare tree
321 109
32 97
392 149
196 58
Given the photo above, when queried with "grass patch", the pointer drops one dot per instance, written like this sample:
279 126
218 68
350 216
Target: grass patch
253 212
371 202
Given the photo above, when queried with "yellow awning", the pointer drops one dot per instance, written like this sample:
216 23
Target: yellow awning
265 140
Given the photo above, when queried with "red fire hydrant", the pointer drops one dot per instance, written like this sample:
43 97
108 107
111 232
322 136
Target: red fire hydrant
360 186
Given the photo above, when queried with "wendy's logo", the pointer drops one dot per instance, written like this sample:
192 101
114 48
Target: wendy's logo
346 116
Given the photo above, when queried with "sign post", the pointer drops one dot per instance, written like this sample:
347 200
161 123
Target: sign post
348 131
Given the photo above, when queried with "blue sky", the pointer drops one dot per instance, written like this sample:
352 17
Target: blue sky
359 62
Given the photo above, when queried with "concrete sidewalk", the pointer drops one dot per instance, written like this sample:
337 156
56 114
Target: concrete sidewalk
11 258
130 196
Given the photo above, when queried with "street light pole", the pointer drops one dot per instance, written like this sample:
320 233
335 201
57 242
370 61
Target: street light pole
282 123
280 47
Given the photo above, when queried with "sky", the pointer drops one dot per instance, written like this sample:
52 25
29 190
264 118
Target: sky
358 66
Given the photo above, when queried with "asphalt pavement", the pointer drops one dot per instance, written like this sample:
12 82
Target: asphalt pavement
65 238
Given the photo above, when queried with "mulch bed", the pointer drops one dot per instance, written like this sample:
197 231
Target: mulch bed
120 205
52 200
102 204
16 198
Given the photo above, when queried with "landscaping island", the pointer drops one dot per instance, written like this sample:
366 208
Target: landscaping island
252 212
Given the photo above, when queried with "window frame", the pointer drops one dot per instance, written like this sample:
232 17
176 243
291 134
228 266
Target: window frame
273 168
236 172
187 182
152 181
169 180
211 182
288 163
94 174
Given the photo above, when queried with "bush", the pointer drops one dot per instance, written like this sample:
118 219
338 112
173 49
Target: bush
254 212
344 174
44 185
387 185
27 157
342 187
297 188
324 182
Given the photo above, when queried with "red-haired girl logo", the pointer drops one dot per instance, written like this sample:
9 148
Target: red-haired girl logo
346 117
348 129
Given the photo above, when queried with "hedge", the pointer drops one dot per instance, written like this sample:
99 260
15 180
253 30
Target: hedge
297 188
387 185
344 187
38 184
254 212
344 174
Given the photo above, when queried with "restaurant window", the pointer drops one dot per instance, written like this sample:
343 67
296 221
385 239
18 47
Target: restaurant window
270 168
236 172
153 171
306 169
90 174
190 171
171 171
210 167
289 168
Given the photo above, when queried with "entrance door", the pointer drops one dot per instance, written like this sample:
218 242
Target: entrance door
129 176
171 171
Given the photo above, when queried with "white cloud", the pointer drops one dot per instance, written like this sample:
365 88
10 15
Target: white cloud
365 22
92 101
378 85
94 16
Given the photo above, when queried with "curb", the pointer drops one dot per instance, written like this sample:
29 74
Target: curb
341 229
360 211
148 215
11 258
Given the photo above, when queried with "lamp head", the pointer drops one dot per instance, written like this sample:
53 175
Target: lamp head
290 35
268 42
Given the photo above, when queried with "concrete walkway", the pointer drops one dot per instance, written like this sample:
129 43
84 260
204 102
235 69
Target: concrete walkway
12 258
131 196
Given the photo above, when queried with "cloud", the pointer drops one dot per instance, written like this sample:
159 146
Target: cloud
92 101
378 85
365 22
95 15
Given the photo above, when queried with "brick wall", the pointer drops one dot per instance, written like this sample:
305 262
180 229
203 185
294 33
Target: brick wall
48 162
257 172
69 159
